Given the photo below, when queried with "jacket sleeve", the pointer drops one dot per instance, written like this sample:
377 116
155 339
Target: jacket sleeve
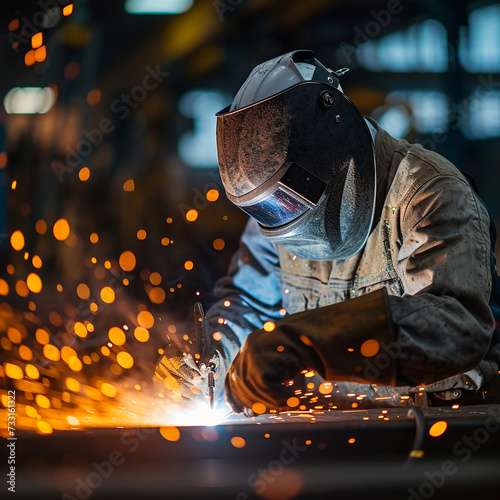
443 322
250 294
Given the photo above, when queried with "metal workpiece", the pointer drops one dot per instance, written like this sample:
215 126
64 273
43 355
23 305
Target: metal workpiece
336 454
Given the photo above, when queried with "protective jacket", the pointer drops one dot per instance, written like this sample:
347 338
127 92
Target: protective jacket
429 247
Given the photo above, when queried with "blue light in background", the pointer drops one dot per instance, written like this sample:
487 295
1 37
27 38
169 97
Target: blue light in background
430 111
396 122
483 122
198 148
422 47
482 52
425 111
157 6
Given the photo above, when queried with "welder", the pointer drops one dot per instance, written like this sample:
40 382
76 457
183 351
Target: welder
366 259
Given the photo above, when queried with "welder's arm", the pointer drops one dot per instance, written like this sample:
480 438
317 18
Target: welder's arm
248 296
336 341
443 323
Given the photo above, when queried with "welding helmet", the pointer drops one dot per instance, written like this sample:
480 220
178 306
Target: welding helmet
297 155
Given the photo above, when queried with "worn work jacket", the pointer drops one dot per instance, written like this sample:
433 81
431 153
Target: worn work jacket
429 247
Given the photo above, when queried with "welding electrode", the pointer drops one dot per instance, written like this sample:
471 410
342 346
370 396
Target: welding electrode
204 347
211 384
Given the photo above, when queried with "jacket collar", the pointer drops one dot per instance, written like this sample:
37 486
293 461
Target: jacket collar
388 155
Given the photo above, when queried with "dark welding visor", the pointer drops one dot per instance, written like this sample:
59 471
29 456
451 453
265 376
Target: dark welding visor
282 198
280 157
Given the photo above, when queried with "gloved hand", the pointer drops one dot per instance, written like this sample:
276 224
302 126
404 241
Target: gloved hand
334 341
179 374
260 373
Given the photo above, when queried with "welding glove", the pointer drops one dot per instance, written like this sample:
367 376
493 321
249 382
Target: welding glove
178 372
336 341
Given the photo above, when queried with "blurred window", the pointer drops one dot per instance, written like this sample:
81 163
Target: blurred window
421 47
426 111
197 147
483 121
481 52
430 111
396 121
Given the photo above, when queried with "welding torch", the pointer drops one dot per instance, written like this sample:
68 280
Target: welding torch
204 348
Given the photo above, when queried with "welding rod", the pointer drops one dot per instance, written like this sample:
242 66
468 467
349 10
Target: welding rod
211 384
204 346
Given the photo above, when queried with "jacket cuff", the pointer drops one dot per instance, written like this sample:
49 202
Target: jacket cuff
354 340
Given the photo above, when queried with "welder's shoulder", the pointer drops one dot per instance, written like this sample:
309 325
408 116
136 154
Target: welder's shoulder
422 169
427 165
